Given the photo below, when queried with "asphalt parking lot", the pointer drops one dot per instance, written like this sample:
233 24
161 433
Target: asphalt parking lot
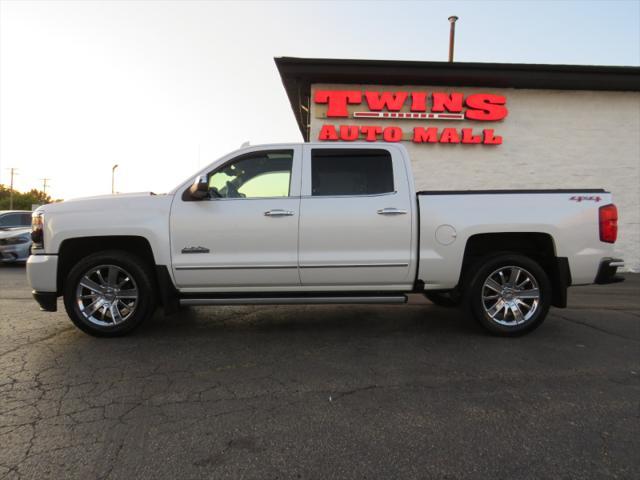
410 391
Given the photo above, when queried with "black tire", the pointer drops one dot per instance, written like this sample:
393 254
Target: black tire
444 299
135 275
479 304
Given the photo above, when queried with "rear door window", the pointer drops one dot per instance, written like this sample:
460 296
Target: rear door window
351 172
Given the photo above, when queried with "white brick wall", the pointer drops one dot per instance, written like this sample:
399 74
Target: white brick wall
552 139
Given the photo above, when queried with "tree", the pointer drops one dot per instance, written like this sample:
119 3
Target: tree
22 201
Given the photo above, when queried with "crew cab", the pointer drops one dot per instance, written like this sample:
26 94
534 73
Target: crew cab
318 223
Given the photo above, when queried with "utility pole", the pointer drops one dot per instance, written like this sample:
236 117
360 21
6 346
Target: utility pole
13 172
44 185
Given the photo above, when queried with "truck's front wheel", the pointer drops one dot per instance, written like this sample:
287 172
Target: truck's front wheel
509 294
109 293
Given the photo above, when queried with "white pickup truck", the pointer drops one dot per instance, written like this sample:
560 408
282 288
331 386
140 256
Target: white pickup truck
317 223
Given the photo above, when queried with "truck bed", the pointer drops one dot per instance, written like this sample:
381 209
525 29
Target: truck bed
452 220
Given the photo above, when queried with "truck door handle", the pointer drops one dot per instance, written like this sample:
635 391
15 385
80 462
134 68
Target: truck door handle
391 211
277 212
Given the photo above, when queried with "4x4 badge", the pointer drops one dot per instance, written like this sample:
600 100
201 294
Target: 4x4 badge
581 198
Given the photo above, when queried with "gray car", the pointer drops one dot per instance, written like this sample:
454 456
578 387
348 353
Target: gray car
15 235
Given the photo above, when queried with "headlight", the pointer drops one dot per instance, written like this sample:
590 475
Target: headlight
37 229
17 240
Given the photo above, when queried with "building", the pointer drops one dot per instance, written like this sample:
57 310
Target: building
485 125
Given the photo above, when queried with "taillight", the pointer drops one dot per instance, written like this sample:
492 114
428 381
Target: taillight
608 216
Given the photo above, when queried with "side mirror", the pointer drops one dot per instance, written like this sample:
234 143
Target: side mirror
200 188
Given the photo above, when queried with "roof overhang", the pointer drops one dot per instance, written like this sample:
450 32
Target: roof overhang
298 74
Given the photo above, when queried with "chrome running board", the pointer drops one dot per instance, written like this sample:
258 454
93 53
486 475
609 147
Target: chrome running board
306 300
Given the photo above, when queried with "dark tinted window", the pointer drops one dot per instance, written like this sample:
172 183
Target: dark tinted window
26 219
351 172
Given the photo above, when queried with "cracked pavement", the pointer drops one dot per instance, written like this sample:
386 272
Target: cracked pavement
406 391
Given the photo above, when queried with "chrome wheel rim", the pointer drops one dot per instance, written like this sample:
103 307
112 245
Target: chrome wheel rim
107 295
510 296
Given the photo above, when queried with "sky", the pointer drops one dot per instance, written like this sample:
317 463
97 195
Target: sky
163 88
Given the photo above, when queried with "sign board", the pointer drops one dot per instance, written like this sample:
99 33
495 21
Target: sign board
385 107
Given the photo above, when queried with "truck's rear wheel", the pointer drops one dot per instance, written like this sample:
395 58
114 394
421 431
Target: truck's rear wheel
109 293
509 294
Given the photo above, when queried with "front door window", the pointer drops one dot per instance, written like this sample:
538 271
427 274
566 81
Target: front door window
257 175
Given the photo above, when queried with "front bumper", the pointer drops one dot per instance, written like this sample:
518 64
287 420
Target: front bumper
607 271
42 273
